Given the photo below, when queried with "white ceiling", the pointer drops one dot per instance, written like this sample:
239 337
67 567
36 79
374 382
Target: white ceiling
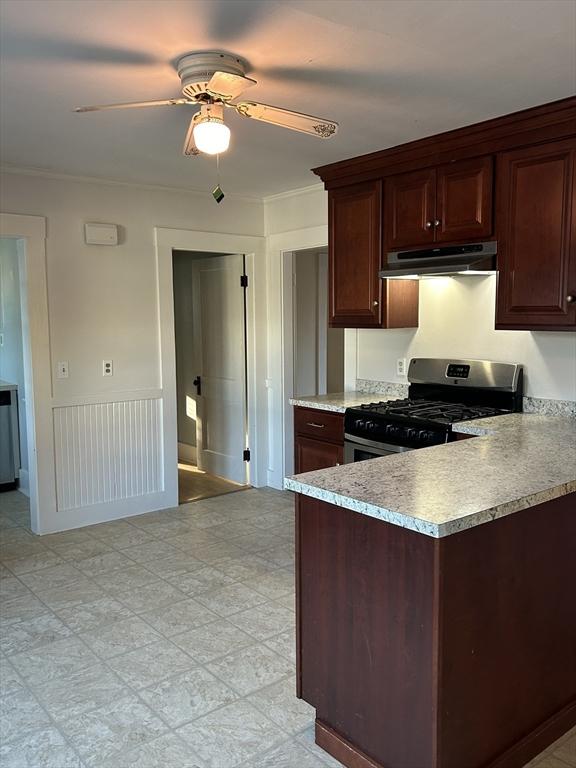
387 70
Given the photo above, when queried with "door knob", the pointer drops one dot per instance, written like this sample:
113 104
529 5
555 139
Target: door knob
198 384
570 299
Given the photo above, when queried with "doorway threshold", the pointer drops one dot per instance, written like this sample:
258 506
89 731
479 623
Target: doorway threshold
194 484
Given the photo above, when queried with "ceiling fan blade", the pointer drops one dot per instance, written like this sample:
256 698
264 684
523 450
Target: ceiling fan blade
190 149
133 104
226 86
286 118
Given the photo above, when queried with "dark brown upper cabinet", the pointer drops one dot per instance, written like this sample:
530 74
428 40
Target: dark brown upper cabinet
355 248
536 230
449 203
358 297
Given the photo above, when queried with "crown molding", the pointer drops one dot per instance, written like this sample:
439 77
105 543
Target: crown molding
15 170
294 193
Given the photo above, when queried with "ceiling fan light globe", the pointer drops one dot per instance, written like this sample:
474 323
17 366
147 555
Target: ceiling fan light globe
212 136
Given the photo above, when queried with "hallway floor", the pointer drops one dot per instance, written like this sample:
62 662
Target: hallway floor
160 641
194 484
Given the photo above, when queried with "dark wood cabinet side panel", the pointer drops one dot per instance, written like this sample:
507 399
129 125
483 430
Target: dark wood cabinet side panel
401 299
355 247
537 237
508 637
464 200
365 630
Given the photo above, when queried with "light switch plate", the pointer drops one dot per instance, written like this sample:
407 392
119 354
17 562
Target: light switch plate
62 369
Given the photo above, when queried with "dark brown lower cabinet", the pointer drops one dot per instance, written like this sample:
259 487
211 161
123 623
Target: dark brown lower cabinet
417 652
318 439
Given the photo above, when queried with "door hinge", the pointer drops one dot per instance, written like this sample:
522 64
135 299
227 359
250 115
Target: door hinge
246 455
243 281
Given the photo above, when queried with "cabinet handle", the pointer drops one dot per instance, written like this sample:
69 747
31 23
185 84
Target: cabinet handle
437 222
337 464
570 299
428 225
313 424
375 303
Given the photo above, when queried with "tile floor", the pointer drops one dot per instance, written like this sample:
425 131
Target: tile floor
162 641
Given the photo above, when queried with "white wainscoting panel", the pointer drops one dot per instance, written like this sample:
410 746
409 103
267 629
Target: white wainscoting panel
107 451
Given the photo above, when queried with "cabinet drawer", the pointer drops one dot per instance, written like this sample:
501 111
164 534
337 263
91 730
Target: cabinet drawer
321 425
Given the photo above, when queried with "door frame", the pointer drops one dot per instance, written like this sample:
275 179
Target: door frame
30 234
167 240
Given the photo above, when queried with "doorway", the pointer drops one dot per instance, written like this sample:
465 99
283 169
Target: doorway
211 373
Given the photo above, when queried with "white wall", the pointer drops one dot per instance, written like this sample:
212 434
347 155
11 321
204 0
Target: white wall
11 350
103 304
457 320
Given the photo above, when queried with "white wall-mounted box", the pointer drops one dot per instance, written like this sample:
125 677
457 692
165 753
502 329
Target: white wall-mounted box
100 234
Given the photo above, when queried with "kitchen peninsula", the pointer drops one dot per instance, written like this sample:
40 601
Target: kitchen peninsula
435 598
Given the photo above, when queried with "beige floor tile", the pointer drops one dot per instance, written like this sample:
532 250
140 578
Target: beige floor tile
10 680
252 668
151 664
125 579
157 594
58 659
20 713
284 644
288 755
72 696
51 578
79 593
120 725
231 599
168 751
176 618
45 559
186 697
120 637
176 565
109 562
12 588
78 550
201 580
90 616
231 735
278 702
212 641
44 748
142 553
21 609
264 621
567 751
275 584
246 567
32 633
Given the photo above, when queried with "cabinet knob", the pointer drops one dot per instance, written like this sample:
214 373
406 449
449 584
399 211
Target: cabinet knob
375 303
428 225
570 299
437 222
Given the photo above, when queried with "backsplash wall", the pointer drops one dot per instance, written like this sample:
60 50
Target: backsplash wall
457 320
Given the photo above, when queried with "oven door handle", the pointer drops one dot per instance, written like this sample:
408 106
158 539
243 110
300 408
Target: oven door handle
362 441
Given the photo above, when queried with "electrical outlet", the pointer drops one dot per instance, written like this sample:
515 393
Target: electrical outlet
62 369
401 366
107 368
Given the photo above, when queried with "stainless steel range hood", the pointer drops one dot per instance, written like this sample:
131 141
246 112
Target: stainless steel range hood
468 259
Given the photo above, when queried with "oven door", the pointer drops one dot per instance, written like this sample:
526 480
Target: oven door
360 449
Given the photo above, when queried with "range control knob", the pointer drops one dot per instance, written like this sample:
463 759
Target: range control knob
411 433
392 429
370 425
359 423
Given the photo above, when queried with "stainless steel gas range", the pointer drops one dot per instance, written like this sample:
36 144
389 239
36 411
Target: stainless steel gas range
441 393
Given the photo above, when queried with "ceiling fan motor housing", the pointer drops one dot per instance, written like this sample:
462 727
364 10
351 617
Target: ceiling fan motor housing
196 69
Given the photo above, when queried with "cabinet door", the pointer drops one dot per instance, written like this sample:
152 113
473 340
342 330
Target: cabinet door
536 230
355 245
316 454
464 200
410 209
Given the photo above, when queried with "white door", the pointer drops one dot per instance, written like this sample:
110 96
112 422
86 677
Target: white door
218 318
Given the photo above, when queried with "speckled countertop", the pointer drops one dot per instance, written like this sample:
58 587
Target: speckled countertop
338 402
514 462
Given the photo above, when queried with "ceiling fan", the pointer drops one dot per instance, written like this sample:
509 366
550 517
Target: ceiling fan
212 81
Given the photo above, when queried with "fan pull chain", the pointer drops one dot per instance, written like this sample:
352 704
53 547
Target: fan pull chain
217 193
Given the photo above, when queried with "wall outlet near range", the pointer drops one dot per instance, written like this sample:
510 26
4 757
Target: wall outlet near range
401 366
107 368
62 369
